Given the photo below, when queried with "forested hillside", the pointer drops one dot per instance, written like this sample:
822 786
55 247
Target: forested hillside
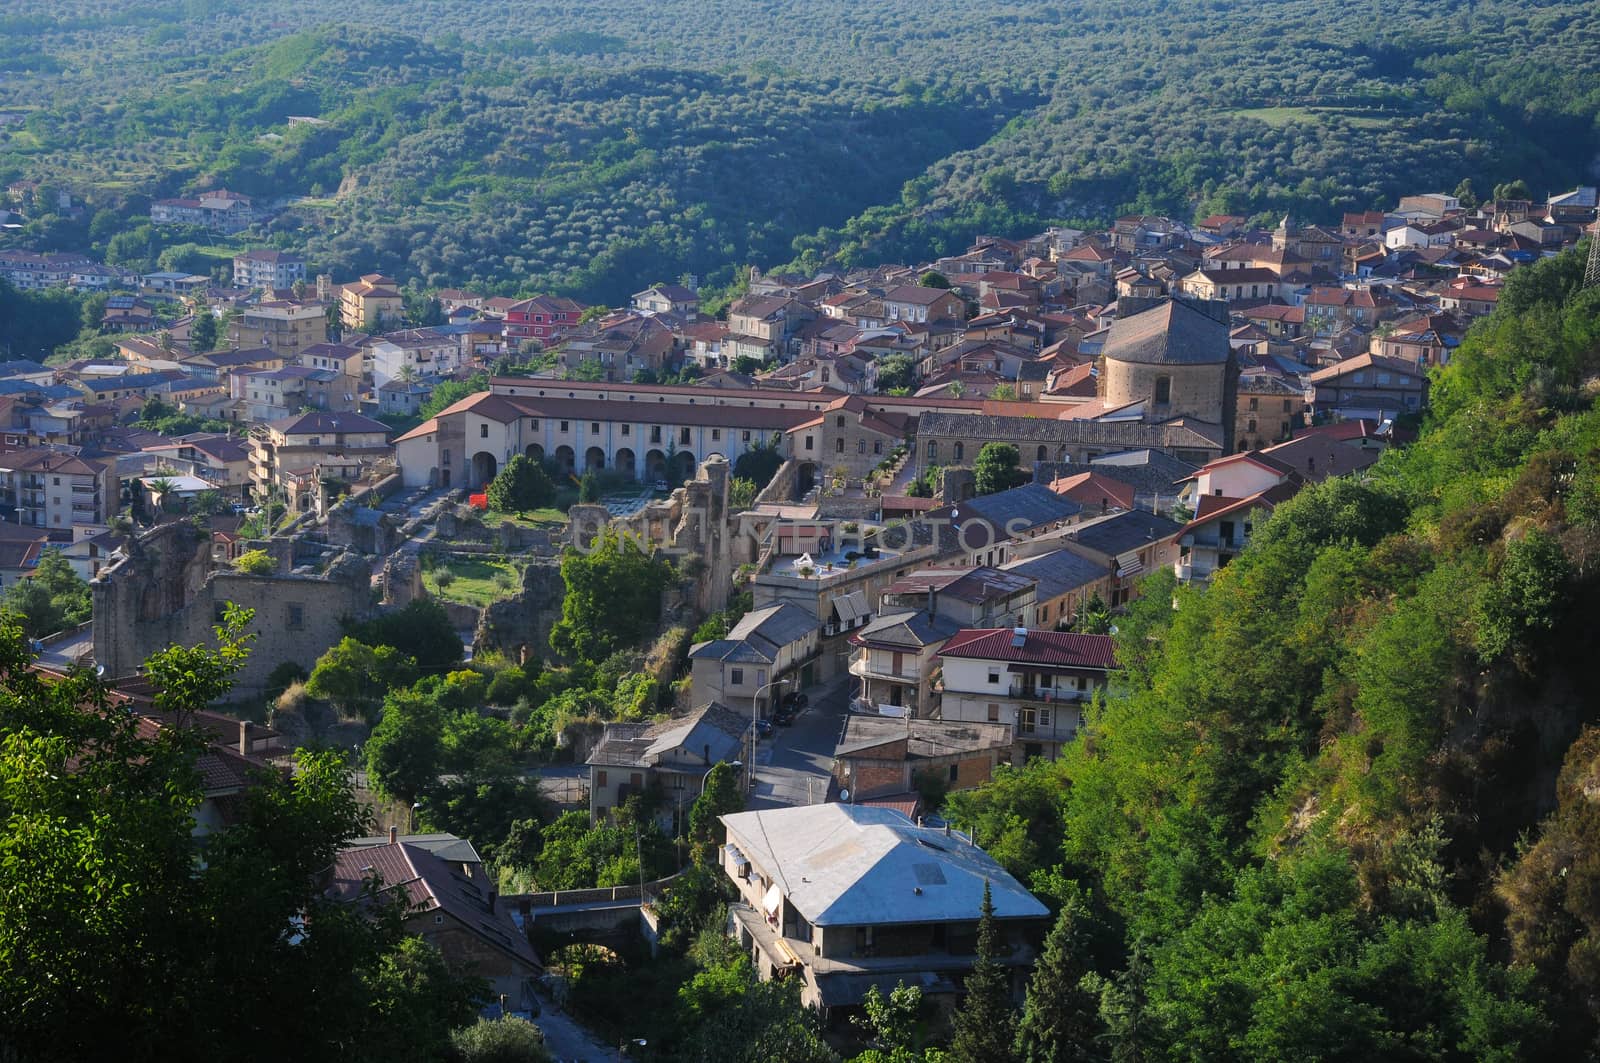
1343 804
590 149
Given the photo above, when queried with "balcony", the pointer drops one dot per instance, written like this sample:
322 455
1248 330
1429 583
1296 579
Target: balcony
1048 695
866 670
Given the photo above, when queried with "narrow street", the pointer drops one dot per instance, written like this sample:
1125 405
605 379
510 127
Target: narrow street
793 766
568 1040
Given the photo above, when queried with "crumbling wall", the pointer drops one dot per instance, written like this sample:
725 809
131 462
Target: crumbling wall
167 592
519 626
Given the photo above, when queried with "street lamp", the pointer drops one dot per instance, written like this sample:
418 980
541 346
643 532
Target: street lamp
734 764
755 718
637 1042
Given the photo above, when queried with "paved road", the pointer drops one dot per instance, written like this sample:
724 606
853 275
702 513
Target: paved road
792 768
568 1040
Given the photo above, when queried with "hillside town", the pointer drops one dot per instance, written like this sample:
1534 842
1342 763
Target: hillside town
900 513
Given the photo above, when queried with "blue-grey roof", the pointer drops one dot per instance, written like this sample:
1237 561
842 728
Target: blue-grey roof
1057 572
126 380
858 865
1020 508
1119 533
779 624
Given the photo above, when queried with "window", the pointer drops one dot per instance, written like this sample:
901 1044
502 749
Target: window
838 446
1251 425
954 770
810 443
600 778
716 434
877 445
1254 403
736 677
1383 378
297 617
627 429
933 450
1286 406
961 450
840 422
564 426
994 676
1163 390
994 713
745 435
635 779
594 426
683 435
483 431
56 481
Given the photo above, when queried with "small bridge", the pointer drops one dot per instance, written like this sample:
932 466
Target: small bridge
614 916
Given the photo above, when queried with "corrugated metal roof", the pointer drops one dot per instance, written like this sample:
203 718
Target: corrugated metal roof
1062 648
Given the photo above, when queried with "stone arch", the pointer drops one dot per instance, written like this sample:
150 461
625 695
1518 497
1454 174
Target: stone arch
806 479
625 462
960 452
535 453
565 459
1044 453
594 458
655 465
685 463
1161 393
484 467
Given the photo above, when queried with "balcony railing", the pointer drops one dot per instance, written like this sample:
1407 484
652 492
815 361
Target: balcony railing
863 668
1048 695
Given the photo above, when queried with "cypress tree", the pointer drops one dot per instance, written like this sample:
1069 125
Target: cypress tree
985 1025
1061 1020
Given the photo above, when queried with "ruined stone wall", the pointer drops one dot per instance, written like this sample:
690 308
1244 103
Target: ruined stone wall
519 626
166 592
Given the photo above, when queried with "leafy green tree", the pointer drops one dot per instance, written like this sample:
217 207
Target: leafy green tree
507 1039
203 333
635 697
746 364
759 463
405 753
520 486
589 487
355 676
896 371
720 797
447 393
1003 392
177 916
52 599
996 468
933 279
1528 599
1061 1020
421 630
254 563
613 597
890 1025
729 1014
985 1025
589 369
741 494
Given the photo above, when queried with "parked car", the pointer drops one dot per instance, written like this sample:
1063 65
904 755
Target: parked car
763 729
795 700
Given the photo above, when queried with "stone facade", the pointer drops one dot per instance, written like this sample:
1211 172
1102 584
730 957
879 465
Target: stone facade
167 592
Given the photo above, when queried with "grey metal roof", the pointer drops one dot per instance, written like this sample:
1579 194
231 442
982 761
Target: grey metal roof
925 738
911 629
1170 333
712 730
856 865
1119 533
779 624
1057 572
1029 506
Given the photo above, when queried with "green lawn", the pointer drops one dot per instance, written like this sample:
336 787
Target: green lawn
1279 117
549 517
473 581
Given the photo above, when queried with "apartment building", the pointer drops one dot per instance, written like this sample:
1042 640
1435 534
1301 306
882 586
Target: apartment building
1034 682
844 897
56 490
267 269
672 755
284 327
292 458
371 303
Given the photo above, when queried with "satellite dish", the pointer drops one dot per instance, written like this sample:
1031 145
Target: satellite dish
844 795
99 671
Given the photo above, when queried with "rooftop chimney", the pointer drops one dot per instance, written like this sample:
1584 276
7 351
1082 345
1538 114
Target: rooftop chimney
244 738
394 834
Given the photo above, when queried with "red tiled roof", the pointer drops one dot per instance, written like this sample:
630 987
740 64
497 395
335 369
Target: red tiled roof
1059 648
